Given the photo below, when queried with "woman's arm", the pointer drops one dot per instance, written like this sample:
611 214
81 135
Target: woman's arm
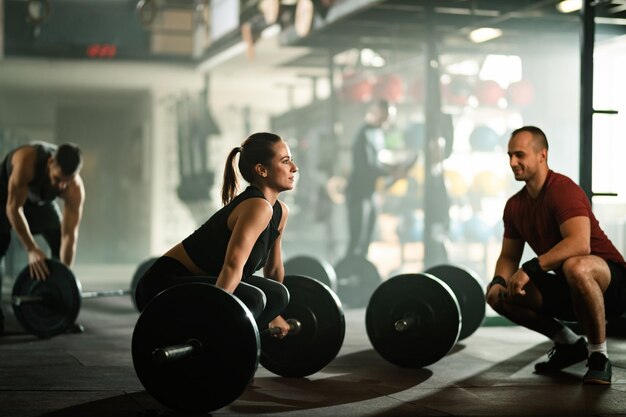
247 221
274 268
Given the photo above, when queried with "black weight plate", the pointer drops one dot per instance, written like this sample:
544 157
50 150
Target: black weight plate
469 292
141 269
61 302
436 311
309 266
319 311
221 372
357 279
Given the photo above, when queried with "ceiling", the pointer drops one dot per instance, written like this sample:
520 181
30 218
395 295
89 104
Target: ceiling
403 26
403 22
186 32
178 33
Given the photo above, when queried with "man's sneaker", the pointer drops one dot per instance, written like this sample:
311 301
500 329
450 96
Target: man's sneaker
562 355
599 372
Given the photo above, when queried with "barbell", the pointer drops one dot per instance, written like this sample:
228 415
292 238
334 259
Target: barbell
312 267
414 320
169 354
353 279
214 344
50 307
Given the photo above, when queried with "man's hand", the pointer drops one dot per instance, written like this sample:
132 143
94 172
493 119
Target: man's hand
282 324
495 293
37 264
517 282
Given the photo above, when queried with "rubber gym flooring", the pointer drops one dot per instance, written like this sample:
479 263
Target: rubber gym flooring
488 374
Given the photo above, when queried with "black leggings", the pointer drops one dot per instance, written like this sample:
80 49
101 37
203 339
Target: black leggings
361 222
42 219
265 298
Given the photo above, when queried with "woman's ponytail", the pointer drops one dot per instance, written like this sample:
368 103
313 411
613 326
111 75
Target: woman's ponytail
231 182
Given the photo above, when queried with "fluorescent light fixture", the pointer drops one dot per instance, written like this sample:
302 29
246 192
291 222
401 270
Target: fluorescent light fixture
568 6
610 21
371 58
484 34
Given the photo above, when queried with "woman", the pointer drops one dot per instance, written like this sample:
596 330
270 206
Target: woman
239 239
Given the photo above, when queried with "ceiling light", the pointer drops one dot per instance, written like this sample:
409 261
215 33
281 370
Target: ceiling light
568 6
370 58
484 34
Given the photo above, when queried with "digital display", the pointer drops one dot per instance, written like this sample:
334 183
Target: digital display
101 50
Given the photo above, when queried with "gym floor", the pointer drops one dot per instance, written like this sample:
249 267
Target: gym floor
490 373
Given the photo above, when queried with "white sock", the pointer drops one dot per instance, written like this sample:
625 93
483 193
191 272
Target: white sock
565 336
600 347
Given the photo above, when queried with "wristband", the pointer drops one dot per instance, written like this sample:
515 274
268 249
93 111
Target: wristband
497 280
532 267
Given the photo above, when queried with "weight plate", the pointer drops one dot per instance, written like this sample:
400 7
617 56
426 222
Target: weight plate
222 371
141 269
357 279
314 268
60 303
469 292
435 311
319 311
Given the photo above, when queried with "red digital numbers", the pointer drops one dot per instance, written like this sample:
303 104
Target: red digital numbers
104 50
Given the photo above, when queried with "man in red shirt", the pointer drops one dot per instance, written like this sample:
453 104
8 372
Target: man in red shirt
578 275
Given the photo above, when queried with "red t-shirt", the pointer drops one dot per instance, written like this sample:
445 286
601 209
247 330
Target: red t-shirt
537 221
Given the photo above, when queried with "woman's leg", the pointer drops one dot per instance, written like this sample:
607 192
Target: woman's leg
253 298
166 272
277 298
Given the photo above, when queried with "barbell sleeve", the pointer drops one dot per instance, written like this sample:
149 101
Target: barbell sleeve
404 324
168 354
18 300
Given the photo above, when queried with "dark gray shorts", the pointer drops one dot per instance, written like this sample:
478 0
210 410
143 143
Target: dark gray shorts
557 301
40 217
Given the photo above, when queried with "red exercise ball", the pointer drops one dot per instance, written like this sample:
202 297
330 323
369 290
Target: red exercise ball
357 88
521 93
389 87
489 92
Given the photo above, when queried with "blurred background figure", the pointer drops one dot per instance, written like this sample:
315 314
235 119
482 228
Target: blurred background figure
368 165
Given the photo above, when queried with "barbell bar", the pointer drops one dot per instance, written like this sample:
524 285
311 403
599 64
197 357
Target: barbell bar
212 346
50 307
173 353
18 300
354 278
414 320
